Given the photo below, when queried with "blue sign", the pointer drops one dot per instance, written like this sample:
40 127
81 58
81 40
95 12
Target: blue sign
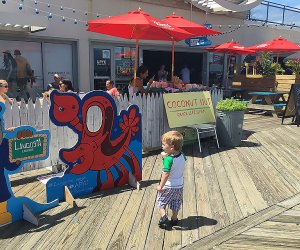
198 41
208 25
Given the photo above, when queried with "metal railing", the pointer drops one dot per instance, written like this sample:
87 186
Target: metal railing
275 13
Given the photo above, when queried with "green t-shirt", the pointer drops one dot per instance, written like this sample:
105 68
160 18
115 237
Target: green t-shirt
167 164
174 165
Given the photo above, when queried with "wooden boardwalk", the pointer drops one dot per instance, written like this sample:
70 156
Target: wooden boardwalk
233 197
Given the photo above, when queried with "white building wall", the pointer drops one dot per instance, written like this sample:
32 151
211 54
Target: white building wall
59 30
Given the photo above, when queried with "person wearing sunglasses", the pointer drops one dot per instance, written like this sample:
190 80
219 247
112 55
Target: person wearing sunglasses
66 86
3 91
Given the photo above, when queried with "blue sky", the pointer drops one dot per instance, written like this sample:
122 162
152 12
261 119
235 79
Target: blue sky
293 3
276 14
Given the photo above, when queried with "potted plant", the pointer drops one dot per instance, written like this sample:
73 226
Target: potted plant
230 118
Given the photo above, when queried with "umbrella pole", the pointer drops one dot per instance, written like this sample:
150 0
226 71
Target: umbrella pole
227 72
135 63
172 70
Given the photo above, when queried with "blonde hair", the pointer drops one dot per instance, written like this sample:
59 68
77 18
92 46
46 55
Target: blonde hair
173 138
2 81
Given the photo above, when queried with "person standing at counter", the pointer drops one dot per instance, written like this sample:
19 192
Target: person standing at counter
185 74
141 75
162 74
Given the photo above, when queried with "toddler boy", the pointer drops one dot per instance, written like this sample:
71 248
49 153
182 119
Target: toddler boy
170 189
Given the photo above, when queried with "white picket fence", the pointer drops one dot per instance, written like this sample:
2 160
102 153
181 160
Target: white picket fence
154 123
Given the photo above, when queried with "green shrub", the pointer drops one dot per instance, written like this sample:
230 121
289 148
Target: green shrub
231 105
278 70
294 64
265 64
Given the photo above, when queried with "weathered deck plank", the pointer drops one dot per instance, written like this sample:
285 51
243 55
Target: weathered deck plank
140 227
205 220
232 208
124 226
234 198
215 198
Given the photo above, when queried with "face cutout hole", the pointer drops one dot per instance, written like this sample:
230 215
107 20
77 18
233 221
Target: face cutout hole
94 119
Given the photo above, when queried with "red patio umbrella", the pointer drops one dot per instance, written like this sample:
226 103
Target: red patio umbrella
137 25
231 48
191 27
278 44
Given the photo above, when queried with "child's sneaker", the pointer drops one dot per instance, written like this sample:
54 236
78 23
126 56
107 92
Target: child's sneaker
174 223
163 220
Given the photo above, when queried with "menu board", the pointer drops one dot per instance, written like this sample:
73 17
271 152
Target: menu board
102 62
293 104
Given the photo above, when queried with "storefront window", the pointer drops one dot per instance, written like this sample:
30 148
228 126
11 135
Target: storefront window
232 65
29 67
102 67
54 64
21 67
124 65
216 66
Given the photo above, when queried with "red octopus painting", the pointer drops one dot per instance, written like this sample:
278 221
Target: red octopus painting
101 159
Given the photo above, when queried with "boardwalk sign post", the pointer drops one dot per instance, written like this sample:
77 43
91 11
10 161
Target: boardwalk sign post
22 145
190 108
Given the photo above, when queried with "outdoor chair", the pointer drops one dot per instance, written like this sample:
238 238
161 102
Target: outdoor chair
205 128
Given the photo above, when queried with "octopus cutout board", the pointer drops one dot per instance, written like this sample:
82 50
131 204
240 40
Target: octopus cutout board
22 145
103 159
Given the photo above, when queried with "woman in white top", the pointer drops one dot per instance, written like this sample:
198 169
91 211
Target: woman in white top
3 91
137 86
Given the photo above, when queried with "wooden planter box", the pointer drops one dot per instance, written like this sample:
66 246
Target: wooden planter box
264 83
254 82
285 81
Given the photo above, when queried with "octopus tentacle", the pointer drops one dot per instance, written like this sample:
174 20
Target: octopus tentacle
134 164
123 175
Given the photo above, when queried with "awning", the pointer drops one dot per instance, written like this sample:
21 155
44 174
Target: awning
23 23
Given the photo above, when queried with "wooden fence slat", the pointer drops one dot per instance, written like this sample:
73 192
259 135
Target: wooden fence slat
46 125
31 114
38 115
7 115
23 113
16 119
